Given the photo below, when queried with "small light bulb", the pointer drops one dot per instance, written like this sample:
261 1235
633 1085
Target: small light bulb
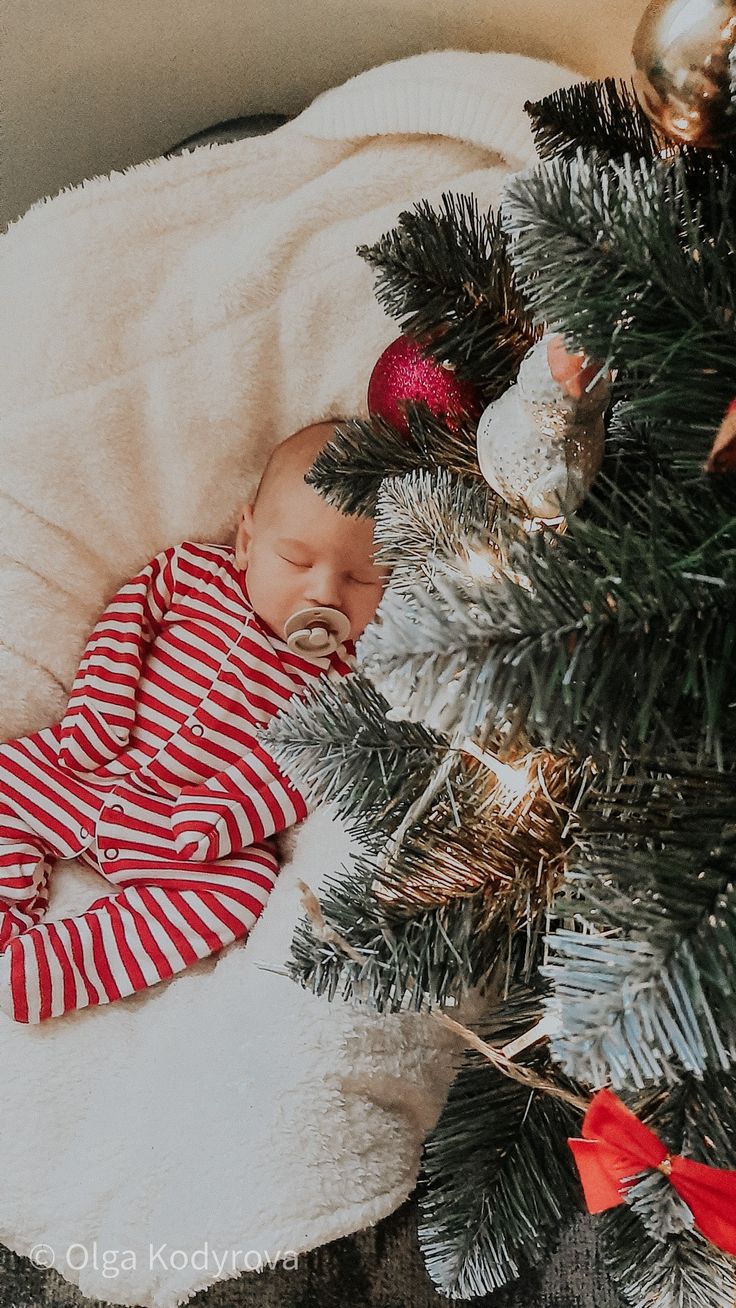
481 564
513 779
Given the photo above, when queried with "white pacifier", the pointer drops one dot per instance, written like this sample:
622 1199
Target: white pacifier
315 633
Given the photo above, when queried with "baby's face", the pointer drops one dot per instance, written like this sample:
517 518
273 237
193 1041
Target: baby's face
301 553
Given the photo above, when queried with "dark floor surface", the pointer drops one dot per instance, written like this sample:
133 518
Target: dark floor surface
380 1267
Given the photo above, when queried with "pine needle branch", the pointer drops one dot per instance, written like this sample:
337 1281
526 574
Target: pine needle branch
444 273
647 991
685 1270
599 639
433 523
499 1177
604 116
616 256
349 470
463 889
339 744
650 1245
411 963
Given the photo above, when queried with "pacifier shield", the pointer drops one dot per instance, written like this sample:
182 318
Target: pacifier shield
316 633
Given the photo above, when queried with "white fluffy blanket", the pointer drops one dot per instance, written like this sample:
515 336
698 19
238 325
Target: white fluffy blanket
164 328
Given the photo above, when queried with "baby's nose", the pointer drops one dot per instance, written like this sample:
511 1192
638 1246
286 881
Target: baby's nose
324 589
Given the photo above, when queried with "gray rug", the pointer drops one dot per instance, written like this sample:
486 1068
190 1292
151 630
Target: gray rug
378 1268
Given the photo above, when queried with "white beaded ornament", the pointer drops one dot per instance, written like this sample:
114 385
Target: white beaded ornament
537 445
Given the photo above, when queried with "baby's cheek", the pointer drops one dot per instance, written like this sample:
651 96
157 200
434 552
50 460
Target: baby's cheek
371 602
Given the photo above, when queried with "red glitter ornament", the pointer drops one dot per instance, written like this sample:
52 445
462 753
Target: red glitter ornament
404 373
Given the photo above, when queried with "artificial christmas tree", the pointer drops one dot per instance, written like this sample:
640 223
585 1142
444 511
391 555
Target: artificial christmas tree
537 750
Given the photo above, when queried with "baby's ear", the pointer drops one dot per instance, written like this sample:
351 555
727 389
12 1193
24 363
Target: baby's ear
243 536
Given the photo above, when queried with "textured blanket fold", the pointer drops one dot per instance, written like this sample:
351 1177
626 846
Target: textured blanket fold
167 326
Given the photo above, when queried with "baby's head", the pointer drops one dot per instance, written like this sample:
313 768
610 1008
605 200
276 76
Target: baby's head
299 551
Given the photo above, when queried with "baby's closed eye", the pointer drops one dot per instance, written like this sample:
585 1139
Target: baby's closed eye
351 576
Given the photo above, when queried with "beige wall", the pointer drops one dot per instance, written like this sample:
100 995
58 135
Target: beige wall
94 85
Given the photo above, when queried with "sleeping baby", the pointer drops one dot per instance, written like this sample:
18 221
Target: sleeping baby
154 777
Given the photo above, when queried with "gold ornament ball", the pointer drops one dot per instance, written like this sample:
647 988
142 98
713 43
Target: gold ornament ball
685 61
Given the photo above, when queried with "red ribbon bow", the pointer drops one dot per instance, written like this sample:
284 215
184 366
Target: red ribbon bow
617 1145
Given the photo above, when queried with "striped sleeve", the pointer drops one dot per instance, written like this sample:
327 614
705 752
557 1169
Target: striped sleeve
101 708
246 802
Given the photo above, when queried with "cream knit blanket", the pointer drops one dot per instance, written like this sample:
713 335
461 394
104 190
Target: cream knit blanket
164 328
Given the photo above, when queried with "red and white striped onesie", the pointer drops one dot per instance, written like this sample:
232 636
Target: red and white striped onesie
154 778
